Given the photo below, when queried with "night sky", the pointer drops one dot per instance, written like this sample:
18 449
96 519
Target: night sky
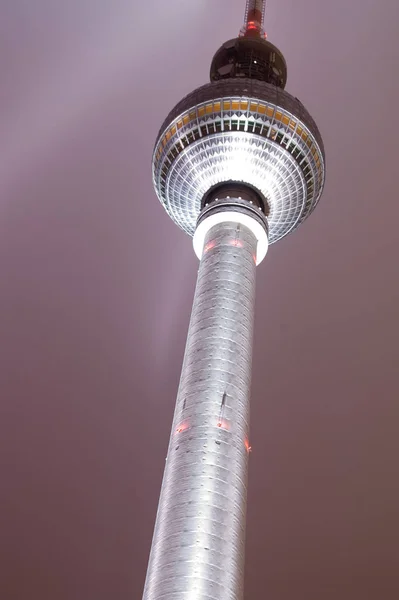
97 283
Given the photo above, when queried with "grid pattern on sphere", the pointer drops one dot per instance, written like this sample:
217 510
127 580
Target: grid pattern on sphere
244 157
287 129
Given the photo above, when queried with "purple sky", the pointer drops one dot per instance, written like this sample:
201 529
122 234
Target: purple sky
97 284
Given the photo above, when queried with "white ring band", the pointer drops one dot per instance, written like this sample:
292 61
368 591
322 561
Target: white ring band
234 217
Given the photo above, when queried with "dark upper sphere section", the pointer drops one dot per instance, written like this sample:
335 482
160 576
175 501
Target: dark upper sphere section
250 58
249 88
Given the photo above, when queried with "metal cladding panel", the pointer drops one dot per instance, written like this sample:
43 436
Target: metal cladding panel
199 538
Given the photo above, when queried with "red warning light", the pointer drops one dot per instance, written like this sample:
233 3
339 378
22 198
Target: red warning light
247 446
182 427
237 243
209 246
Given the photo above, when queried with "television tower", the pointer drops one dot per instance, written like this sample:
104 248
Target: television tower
238 164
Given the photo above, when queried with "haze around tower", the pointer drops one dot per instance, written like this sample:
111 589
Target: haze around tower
89 361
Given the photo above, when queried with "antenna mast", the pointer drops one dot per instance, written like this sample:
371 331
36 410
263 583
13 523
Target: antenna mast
254 18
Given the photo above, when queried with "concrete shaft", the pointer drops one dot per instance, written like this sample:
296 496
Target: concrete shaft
198 545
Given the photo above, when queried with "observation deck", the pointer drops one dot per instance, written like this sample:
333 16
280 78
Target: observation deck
243 130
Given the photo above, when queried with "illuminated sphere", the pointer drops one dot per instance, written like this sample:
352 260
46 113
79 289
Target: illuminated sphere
243 127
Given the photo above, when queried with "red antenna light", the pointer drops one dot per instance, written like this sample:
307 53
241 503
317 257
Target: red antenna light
254 17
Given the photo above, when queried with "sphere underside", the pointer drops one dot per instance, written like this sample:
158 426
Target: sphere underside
237 156
240 131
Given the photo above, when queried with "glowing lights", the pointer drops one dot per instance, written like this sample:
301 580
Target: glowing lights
254 16
209 246
248 448
182 427
233 217
237 156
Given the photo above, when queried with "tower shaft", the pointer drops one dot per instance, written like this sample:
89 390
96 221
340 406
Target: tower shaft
198 544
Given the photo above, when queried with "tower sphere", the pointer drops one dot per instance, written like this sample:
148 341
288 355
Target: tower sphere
243 127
